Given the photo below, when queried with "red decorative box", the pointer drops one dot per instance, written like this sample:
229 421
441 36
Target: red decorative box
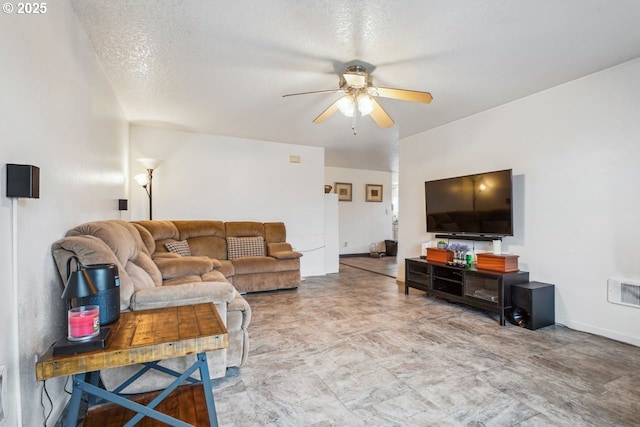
503 263
439 255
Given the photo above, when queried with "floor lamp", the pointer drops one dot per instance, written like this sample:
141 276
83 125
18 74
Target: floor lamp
146 180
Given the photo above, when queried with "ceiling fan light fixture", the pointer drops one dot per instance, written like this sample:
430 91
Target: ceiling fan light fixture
361 98
346 105
356 81
365 104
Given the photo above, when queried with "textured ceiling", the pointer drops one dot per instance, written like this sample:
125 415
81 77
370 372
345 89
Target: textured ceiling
221 67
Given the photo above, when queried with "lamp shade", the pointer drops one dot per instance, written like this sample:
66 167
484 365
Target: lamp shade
365 104
79 284
150 163
142 179
346 105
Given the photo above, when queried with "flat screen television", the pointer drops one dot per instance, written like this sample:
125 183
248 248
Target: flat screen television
477 205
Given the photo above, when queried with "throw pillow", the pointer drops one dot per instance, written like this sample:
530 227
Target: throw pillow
238 247
180 248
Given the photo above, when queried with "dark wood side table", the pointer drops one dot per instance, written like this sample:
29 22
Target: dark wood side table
146 337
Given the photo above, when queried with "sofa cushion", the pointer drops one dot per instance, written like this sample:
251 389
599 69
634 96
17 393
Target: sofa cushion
161 230
254 265
244 229
189 229
211 246
226 268
184 294
275 232
184 266
179 247
92 250
239 247
127 245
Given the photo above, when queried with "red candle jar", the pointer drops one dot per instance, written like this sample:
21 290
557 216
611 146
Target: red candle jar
83 322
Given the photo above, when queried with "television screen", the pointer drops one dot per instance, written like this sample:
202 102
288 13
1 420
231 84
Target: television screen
477 204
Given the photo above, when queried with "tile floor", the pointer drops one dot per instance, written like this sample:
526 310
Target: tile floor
350 349
386 265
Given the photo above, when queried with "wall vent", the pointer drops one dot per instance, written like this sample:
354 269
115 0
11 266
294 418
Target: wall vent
625 292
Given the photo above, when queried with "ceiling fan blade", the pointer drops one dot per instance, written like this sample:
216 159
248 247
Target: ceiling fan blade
327 113
403 94
380 116
316 91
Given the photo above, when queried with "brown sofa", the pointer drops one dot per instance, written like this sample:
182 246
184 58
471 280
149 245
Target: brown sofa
146 284
274 265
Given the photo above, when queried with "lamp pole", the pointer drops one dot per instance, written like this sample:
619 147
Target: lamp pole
150 191
150 165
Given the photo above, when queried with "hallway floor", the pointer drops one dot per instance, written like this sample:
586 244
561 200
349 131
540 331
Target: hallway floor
385 265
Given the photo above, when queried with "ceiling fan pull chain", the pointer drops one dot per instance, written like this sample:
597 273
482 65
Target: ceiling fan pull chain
353 122
354 119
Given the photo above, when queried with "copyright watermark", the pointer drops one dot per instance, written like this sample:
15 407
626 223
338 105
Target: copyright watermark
25 8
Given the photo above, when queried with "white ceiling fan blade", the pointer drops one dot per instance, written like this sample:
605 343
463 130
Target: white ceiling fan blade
380 116
404 94
327 113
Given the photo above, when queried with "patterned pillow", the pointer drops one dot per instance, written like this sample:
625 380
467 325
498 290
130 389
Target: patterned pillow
180 248
238 247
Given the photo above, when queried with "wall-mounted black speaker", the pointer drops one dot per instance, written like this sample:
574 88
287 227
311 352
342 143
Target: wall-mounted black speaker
23 181
123 204
533 305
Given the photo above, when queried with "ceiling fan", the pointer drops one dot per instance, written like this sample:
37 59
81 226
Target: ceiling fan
360 96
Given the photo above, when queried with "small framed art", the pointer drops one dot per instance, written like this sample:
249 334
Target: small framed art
374 193
343 190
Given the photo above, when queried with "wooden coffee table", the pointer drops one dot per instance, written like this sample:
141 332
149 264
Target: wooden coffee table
145 337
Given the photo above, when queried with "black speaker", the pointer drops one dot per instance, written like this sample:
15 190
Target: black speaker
123 204
23 181
534 305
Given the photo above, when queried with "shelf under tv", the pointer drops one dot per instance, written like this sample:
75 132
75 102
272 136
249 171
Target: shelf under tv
474 237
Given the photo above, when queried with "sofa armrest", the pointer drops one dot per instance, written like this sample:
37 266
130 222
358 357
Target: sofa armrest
184 266
184 294
286 255
241 305
282 250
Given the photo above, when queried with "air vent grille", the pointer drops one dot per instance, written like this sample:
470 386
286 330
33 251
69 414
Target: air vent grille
623 292
630 294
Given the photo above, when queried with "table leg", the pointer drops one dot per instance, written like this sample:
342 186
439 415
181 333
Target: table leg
208 392
86 382
74 404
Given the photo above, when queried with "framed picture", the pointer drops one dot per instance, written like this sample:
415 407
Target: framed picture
374 193
343 190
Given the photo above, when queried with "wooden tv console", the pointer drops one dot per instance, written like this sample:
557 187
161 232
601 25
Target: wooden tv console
484 289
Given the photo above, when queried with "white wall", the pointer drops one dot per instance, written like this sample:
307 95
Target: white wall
574 151
232 179
362 223
58 112
331 234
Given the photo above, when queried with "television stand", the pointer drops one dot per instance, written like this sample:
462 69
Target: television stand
484 289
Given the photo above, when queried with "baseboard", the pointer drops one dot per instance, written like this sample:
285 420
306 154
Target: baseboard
354 255
607 333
